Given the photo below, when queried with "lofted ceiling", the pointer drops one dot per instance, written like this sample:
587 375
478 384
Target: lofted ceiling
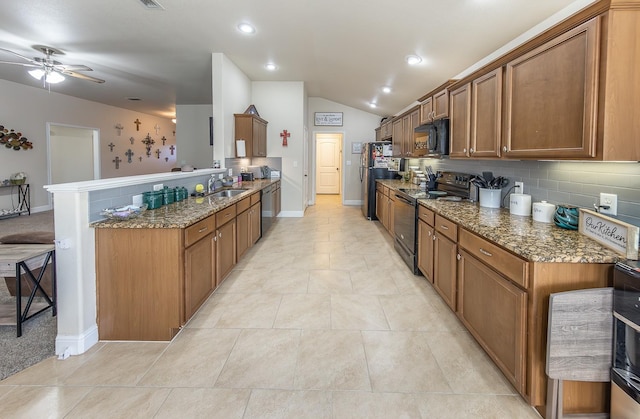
343 50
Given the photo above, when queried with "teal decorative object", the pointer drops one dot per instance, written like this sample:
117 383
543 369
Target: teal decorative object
567 216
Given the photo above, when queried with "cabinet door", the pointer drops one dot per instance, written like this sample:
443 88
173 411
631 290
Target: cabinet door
407 136
426 111
460 122
441 104
244 131
486 115
199 273
397 138
390 214
551 98
254 224
494 311
444 269
414 121
381 207
243 232
259 138
278 200
225 250
425 249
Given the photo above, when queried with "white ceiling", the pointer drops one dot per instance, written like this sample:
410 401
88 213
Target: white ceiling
344 50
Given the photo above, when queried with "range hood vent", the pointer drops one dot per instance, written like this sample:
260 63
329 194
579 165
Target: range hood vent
151 4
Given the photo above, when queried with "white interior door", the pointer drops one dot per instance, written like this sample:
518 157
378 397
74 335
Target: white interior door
328 163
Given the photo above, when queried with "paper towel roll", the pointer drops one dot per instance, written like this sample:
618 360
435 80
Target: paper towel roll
543 212
520 204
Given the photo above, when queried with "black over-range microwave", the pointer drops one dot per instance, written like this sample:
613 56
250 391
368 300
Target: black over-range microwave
437 133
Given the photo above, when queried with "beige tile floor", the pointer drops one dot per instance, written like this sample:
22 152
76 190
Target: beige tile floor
320 320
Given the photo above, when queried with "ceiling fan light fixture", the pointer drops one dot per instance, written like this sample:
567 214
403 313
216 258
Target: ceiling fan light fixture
37 74
54 77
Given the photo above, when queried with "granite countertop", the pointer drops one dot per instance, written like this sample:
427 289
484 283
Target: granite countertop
184 213
532 240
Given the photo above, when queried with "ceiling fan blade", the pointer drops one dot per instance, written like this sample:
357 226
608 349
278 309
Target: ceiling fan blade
31 60
81 76
22 64
72 67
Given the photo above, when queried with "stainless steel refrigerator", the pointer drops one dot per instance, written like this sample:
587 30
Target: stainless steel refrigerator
374 160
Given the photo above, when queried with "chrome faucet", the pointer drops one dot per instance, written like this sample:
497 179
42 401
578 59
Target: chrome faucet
211 186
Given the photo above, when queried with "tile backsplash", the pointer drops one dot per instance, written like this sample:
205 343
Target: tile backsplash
560 182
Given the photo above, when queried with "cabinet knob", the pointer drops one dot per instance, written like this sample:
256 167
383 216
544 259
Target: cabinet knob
220 235
464 150
458 256
471 150
428 233
434 237
504 148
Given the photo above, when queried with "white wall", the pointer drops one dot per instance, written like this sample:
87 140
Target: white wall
358 126
192 135
28 109
282 105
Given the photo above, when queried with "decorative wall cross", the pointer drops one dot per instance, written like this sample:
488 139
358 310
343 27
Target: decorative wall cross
111 145
285 134
158 152
157 128
148 142
172 148
140 158
117 161
129 154
164 139
137 122
119 127
131 140
166 159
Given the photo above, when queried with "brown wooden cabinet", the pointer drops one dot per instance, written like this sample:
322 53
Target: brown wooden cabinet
253 130
277 199
391 212
551 97
494 310
445 260
426 238
397 139
200 273
226 256
403 130
386 130
460 122
486 115
435 107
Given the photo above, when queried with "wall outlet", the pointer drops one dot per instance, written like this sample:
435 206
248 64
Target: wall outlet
158 187
610 200
519 187
136 199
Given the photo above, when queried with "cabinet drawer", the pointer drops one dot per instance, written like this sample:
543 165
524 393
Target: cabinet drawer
447 228
379 187
426 215
195 232
243 205
505 263
226 215
255 198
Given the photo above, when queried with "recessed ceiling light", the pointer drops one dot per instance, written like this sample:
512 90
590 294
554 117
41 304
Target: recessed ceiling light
271 67
246 28
386 89
373 105
413 59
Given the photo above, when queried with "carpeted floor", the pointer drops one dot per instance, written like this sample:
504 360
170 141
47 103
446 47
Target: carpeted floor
38 334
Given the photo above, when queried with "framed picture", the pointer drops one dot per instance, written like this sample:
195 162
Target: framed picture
333 119
356 148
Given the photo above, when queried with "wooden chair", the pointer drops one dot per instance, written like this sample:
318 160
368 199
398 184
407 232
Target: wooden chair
579 343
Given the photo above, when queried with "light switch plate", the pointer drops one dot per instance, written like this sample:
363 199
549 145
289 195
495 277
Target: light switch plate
158 187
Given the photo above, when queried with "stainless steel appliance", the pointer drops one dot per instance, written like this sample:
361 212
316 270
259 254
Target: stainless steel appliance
450 185
374 162
625 372
267 208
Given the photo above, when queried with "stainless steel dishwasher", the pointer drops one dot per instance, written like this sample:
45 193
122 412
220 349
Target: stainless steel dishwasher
267 208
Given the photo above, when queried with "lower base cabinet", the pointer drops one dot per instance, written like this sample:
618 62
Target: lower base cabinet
425 249
499 328
225 250
200 273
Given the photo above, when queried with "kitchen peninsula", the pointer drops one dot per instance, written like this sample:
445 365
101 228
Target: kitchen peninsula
154 271
496 272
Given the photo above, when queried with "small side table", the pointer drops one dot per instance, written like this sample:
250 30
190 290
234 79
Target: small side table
22 258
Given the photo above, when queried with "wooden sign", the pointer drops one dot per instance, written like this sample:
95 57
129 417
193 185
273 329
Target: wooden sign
609 232
328 118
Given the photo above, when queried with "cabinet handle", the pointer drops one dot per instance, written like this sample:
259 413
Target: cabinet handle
202 229
444 227
434 237
428 233
215 238
484 252
227 215
220 235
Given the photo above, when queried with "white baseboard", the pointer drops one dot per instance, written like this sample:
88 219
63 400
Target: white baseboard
77 344
41 209
354 202
291 214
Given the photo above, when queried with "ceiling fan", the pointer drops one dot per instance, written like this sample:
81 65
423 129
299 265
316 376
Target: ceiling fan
49 70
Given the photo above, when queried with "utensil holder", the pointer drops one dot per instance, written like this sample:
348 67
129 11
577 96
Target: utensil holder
490 198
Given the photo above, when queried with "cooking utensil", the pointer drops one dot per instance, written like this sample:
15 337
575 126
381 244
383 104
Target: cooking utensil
487 176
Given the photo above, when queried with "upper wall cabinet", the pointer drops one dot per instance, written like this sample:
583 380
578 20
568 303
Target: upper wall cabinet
253 130
551 97
460 123
435 107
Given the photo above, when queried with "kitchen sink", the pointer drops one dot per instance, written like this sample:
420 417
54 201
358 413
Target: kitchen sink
227 193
